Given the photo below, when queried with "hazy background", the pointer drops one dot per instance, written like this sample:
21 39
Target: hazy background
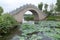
9 5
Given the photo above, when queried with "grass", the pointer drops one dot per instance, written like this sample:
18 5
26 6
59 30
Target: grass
54 18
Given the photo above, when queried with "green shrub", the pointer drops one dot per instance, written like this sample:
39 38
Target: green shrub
6 22
53 18
29 18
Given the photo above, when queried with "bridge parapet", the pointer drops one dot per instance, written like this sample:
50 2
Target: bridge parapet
19 12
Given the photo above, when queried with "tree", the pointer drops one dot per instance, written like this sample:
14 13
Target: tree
46 7
58 5
40 6
1 10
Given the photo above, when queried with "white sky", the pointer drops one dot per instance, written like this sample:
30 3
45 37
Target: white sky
9 5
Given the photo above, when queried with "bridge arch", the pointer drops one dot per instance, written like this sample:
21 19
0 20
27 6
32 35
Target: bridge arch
18 14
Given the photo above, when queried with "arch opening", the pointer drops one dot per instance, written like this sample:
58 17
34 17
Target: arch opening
33 15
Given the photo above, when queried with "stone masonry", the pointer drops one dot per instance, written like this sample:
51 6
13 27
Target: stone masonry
18 14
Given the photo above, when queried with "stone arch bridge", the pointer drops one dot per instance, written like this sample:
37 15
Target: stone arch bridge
18 14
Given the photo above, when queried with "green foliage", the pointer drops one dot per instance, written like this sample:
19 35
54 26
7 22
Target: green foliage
53 18
58 5
40 6
29 17
35 37
6 23
49 23
1 10
46 6
27 28
43 26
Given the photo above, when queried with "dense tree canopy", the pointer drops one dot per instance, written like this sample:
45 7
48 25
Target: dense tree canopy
46 6
40 6
1 10
58 5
